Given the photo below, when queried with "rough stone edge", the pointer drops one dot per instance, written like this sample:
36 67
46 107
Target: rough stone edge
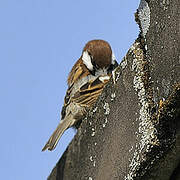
149 118
146 131
153 143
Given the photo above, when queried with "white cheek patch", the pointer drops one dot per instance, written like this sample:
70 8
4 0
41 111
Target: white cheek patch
113 58
87 60
104 78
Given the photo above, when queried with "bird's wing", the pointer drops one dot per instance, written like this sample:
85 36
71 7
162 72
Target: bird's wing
89 92
86 94
78 71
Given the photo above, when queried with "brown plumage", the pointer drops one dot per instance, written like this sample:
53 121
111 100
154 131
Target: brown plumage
86 81
100 51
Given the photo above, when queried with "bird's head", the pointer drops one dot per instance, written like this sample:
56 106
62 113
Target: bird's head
97 55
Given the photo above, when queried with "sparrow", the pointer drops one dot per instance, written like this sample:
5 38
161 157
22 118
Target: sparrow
86 80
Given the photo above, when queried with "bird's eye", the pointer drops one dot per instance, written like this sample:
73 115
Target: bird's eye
94 64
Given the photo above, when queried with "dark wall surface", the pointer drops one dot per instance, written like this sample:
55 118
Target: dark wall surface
133 131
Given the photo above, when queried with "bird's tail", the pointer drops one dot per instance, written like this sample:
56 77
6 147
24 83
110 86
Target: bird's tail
53 140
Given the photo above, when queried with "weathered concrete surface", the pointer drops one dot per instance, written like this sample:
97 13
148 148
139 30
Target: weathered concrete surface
133 131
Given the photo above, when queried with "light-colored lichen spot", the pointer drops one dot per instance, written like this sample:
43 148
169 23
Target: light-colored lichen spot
95 109
132 48
105 122
146 48
90 178
116 76
94 163
165 4
123 64
93 132
106 108
113 95
133 67
146 131
131 149
144 16
91 158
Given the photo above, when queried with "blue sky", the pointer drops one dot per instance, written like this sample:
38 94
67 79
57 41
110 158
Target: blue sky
40 40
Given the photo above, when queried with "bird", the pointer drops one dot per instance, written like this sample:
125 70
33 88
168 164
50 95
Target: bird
86 80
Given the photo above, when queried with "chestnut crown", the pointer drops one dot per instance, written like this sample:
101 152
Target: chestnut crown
97 54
